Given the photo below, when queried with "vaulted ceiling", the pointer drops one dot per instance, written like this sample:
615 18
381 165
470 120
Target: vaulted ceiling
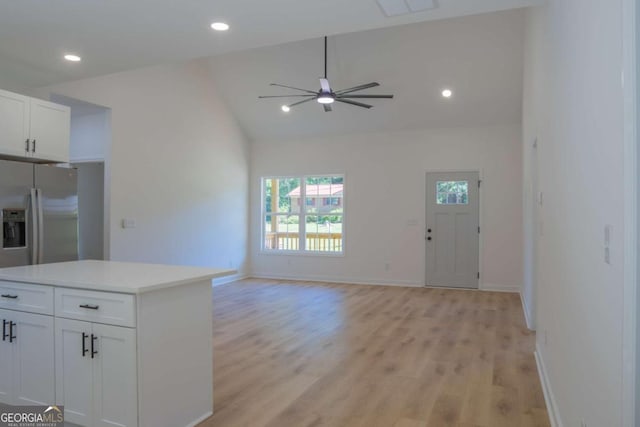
479 57
117 35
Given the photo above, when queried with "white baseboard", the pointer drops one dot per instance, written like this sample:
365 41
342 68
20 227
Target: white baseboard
549 398
376 282
200 419
228 279
345 280
525 308
499 288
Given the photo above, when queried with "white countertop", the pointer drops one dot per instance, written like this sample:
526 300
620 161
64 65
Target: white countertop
111 276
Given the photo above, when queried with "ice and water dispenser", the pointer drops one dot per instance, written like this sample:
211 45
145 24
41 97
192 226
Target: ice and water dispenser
13 228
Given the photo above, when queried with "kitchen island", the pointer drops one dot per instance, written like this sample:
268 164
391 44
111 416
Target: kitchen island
116 343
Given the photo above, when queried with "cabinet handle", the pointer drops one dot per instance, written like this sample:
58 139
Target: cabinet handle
12 337
26 145
4 330
84 344
33 146
9 296
93 340
89 306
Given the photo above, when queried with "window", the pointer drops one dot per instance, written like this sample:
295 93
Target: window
452 192
315 226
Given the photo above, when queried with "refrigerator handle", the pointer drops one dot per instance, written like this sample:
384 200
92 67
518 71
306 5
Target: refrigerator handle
34 227
40 227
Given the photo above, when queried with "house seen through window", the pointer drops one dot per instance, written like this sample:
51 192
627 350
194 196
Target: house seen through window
315 225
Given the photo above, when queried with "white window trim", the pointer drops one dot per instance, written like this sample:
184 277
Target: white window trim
303 214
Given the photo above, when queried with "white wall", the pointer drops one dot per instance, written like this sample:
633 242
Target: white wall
573 104
90 136
90 210
385 192
530 169
179 166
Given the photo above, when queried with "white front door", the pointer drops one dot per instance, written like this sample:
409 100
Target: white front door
452 229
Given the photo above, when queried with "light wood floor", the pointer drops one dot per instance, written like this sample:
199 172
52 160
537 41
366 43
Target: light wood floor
315 355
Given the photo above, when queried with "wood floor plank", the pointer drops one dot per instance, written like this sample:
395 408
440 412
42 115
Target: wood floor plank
303 354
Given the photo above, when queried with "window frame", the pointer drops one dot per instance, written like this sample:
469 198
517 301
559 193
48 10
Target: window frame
303 216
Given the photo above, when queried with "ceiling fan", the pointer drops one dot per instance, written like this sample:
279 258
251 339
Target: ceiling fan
326 95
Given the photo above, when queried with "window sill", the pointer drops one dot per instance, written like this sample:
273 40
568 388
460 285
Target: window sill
303 254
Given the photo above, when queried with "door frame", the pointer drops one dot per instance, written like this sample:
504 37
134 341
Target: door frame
480 172
631 292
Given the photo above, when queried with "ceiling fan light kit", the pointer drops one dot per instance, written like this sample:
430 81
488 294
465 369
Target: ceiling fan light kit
326 95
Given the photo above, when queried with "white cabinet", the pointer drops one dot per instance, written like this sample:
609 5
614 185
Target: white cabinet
118 344
14 124
26 351
32 129
96 373
49 131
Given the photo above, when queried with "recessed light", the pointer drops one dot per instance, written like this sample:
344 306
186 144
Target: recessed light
72 58
447 93
285 108
220 26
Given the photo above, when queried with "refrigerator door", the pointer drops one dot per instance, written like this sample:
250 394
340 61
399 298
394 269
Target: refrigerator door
57 191
16 181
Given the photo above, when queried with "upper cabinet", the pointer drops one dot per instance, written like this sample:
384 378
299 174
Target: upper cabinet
14 124
33 130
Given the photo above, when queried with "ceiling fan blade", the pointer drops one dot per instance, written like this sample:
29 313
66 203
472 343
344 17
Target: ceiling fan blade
324 84
365 96
356 88
295 88
358 104
301 102
285 96
327 108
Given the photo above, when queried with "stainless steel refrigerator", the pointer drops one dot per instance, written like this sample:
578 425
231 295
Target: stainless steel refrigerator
39 212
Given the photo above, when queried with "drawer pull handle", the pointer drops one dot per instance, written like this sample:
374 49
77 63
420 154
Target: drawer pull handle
9 296
94 338
89 306
84 344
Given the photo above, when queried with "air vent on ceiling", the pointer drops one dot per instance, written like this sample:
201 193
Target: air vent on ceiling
403 7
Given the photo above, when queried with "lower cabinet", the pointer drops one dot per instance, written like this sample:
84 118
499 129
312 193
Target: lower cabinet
26 355
95 374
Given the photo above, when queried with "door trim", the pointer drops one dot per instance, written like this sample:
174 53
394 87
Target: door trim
480 172
631 291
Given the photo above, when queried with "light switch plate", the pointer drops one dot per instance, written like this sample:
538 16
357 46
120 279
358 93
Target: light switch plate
128 223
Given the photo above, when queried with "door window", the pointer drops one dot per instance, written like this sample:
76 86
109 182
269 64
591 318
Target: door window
452 192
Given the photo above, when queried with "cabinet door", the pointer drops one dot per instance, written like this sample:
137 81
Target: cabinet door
74 383
34 378
115 380
50 130
14 123
6 361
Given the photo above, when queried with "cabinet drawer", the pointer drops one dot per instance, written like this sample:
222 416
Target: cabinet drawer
92 306
26 297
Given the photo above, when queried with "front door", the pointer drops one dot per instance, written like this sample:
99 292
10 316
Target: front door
452 229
